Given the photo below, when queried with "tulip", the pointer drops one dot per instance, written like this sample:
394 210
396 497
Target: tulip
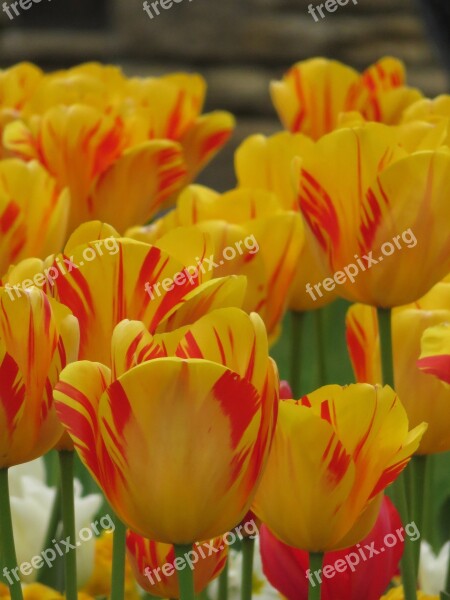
287 568
128 423
434 111
86 151
339 447
155 571
101 135
433 568
99 583
435 356
424 398
262 589
266 163
38 338
361 215
397 593
18 84
33 213
167 107
252 235
31 502
314 93
126 270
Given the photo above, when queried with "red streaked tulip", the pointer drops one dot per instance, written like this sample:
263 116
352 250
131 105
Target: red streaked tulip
372 206
33 212
154 570
129 423
123 279
267 163
87 151
38 338
435 356
251 234
338 447
424 397
366 574
313 94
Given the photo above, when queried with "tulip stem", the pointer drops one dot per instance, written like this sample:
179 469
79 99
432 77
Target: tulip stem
408 570
248 551
66 462
315 566
186 575
9 557
320 345
419 497
297 325
118 561
223 583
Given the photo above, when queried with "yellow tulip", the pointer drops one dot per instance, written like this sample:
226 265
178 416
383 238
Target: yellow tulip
87 151
104 279
338 448
153 564
100 582
435 356
107 138
374 207
397 593
33 213
252 235
267 163
129 423
424 397
38 338
314 93
18 84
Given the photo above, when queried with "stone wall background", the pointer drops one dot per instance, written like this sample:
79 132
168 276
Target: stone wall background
238 45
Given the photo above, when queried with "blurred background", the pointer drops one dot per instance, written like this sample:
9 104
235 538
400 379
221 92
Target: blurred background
238 45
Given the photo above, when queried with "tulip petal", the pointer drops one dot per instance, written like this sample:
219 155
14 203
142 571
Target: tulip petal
205 138
147 438
77 397
146 176
435 357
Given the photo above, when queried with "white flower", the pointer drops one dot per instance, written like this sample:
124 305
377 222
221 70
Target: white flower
31 506
262 590
433 569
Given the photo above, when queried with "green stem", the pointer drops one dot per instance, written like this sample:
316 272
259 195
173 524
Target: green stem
118 561
186 575
47 574
248 551
315 564
66 462
320 344
298 320
408 570
419 496
7 539
223 584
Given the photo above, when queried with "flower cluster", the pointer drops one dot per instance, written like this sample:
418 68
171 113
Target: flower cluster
171 402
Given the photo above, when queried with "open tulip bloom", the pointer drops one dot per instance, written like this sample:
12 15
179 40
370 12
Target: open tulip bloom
339 448
184 419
